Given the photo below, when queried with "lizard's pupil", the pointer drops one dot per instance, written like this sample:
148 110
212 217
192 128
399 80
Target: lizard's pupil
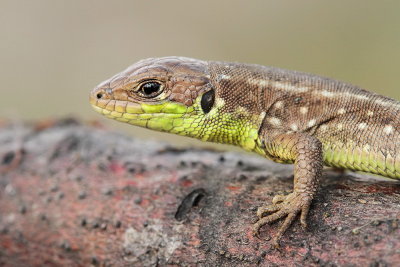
150 88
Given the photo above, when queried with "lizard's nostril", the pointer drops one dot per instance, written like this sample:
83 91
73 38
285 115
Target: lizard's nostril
99 95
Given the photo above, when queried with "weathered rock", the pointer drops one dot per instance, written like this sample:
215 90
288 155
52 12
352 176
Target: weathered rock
80 195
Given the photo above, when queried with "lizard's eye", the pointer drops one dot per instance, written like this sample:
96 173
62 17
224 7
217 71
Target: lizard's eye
150 89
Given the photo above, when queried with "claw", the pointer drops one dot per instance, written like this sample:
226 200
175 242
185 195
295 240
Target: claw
275 243
256 232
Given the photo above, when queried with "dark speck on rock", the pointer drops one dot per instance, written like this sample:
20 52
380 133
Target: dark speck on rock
261 178
138 201
67 122
242 178
102 167
221 159
43 217
60 196
182 163
107 191
94 261
83 222
54 188
22 209
82 195
8 157
194 163
95 224
117 224
66 246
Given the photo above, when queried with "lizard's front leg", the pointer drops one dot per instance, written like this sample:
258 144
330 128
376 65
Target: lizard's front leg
306 153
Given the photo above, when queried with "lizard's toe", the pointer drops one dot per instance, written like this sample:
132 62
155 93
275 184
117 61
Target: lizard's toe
266 220
268 209
304 212
278 199
292 205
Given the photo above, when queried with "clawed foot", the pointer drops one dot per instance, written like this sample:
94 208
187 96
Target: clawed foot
282 206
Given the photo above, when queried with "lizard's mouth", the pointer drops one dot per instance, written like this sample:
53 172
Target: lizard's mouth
114 114
121 107
163 116
158 117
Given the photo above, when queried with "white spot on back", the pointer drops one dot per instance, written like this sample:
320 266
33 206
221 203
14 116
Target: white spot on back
259 82
224 77
362 125
294 127
279 104
341 111
341 94
388 129
303 110
340 126
327 93
311 123
324 127
370 113
289 87
262 82
382 102
360 97
275 121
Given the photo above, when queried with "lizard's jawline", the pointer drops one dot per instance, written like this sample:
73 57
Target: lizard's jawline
141 116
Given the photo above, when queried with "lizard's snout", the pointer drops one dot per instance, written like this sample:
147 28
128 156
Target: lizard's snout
100 93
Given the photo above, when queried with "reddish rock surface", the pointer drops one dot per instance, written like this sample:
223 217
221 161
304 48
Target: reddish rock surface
79 195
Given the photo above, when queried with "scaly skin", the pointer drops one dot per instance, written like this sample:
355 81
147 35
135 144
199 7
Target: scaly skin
286 116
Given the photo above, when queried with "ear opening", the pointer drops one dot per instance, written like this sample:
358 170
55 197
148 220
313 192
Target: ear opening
207 101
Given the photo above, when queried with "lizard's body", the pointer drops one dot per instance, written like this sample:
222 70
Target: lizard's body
287 116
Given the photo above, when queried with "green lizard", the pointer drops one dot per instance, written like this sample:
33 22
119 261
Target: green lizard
286 116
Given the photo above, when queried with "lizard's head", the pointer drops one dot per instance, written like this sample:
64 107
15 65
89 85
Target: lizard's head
167 94
171 94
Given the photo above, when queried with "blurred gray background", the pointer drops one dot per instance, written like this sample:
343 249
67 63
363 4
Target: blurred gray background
53 53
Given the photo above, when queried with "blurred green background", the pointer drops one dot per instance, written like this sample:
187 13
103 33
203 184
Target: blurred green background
53 53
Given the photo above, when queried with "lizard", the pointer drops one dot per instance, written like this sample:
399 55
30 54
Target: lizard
286 116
